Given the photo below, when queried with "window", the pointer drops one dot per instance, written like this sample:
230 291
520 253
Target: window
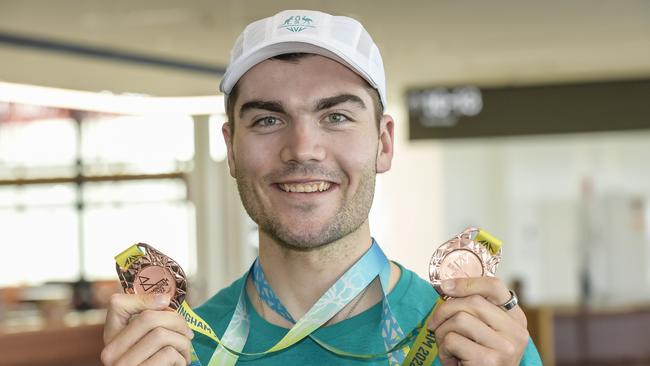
74 194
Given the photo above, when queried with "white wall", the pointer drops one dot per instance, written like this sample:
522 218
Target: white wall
527 191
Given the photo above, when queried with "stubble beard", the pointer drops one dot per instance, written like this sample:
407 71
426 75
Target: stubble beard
348 218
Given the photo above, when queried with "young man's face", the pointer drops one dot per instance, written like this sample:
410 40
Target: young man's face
306 149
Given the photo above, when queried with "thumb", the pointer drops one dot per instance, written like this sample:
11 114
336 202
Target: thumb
123 306
490 288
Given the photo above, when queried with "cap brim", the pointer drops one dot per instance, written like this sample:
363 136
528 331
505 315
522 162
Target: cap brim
236 71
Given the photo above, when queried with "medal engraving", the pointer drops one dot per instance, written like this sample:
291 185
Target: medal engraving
154 280
460 263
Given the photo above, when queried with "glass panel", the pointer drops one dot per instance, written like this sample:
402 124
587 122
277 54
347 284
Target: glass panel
38 245
135 191
37 195
119 214
37 148
111 229
128 144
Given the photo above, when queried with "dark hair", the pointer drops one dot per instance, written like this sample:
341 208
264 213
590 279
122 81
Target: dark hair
295 58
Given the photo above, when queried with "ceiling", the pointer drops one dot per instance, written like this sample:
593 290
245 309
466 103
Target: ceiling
423 42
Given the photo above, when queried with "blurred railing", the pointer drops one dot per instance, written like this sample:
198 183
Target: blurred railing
580 337
59 346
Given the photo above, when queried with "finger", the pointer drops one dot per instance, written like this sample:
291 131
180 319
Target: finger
123 306
156 341
491 288
166 356
476 306
472 328
456 348
511 337
451 361
140 326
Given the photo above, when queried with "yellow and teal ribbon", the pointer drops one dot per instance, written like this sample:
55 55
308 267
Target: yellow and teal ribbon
371 265
391 331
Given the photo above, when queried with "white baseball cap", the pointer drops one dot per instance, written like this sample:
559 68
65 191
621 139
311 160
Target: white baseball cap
307 31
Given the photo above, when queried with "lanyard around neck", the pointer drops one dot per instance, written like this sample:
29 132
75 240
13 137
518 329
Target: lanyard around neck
371 265
391 331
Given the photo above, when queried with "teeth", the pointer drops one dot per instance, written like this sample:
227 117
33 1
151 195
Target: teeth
306 187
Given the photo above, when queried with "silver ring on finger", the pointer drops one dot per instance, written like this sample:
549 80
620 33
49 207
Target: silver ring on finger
511 303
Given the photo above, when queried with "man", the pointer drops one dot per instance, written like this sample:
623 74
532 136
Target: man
306 136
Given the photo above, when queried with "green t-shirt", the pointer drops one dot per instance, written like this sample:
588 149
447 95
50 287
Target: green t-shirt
411 300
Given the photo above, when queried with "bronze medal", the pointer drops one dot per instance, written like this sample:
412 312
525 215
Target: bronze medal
462 256
154 273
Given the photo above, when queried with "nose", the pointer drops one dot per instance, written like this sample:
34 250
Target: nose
303 143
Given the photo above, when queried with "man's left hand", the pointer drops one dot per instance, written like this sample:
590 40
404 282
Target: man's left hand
472 329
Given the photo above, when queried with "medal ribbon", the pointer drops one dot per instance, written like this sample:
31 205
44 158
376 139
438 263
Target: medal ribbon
391 331
372 264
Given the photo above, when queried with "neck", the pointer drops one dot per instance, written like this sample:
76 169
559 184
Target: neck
299 278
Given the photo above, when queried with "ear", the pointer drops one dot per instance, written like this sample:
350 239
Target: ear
228 138
385 144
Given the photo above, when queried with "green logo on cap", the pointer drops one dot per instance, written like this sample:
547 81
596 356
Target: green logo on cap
297 23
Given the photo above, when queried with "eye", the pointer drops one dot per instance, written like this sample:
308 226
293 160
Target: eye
337 118
266 122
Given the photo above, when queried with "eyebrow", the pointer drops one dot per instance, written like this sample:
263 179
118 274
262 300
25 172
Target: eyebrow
271 106
330 102
321 104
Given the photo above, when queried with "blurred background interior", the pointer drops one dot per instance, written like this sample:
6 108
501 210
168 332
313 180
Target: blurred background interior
530 119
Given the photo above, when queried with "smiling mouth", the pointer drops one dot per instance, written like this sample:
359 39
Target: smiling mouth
305 187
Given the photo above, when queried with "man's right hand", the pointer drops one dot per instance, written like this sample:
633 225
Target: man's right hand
139 331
